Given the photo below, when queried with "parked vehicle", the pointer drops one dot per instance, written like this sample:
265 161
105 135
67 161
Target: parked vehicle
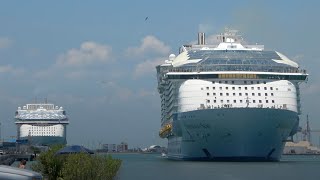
13 173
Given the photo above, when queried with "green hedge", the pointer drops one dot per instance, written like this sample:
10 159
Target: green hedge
76 166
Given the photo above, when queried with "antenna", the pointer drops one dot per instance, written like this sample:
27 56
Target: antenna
308 130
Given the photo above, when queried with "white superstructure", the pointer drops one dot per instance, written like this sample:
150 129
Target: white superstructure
228 101
41 124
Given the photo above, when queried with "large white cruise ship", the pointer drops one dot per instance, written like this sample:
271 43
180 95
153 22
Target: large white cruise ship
228 101
41 124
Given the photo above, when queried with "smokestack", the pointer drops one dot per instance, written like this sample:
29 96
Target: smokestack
201 39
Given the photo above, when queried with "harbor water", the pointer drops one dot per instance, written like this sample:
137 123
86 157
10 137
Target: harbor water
153 166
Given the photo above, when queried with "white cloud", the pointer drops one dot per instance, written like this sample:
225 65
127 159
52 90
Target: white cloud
10 69
149 44
147 67
89 52
5 42
116 92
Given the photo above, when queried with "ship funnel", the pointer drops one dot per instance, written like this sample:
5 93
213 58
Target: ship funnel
201 39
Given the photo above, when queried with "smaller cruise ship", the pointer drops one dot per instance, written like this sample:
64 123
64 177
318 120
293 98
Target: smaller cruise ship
41 124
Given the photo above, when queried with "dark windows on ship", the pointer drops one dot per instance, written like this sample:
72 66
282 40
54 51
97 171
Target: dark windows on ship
254 101
214 94
265 88
245 88
271 94
207 94
266 94
207 88
227 94
220 88
260 101
252 88
258 88
221 94
213 88
267 101
240 94
233 88
232 82
272 101
245 82
234 101
208 101
253 94
259 94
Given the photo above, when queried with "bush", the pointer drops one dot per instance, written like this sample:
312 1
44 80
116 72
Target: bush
84 166
49 164
76 166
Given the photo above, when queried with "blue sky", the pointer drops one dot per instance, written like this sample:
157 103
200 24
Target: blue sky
97 58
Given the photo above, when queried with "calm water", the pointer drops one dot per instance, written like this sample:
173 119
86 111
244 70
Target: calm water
151 166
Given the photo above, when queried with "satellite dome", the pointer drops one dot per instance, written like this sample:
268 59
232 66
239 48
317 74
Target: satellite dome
172 57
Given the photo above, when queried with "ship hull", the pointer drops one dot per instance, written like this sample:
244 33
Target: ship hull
44 140
231 134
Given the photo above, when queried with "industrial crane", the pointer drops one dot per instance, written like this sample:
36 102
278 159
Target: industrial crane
306 132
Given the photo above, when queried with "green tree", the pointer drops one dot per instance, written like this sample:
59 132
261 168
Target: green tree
80 166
